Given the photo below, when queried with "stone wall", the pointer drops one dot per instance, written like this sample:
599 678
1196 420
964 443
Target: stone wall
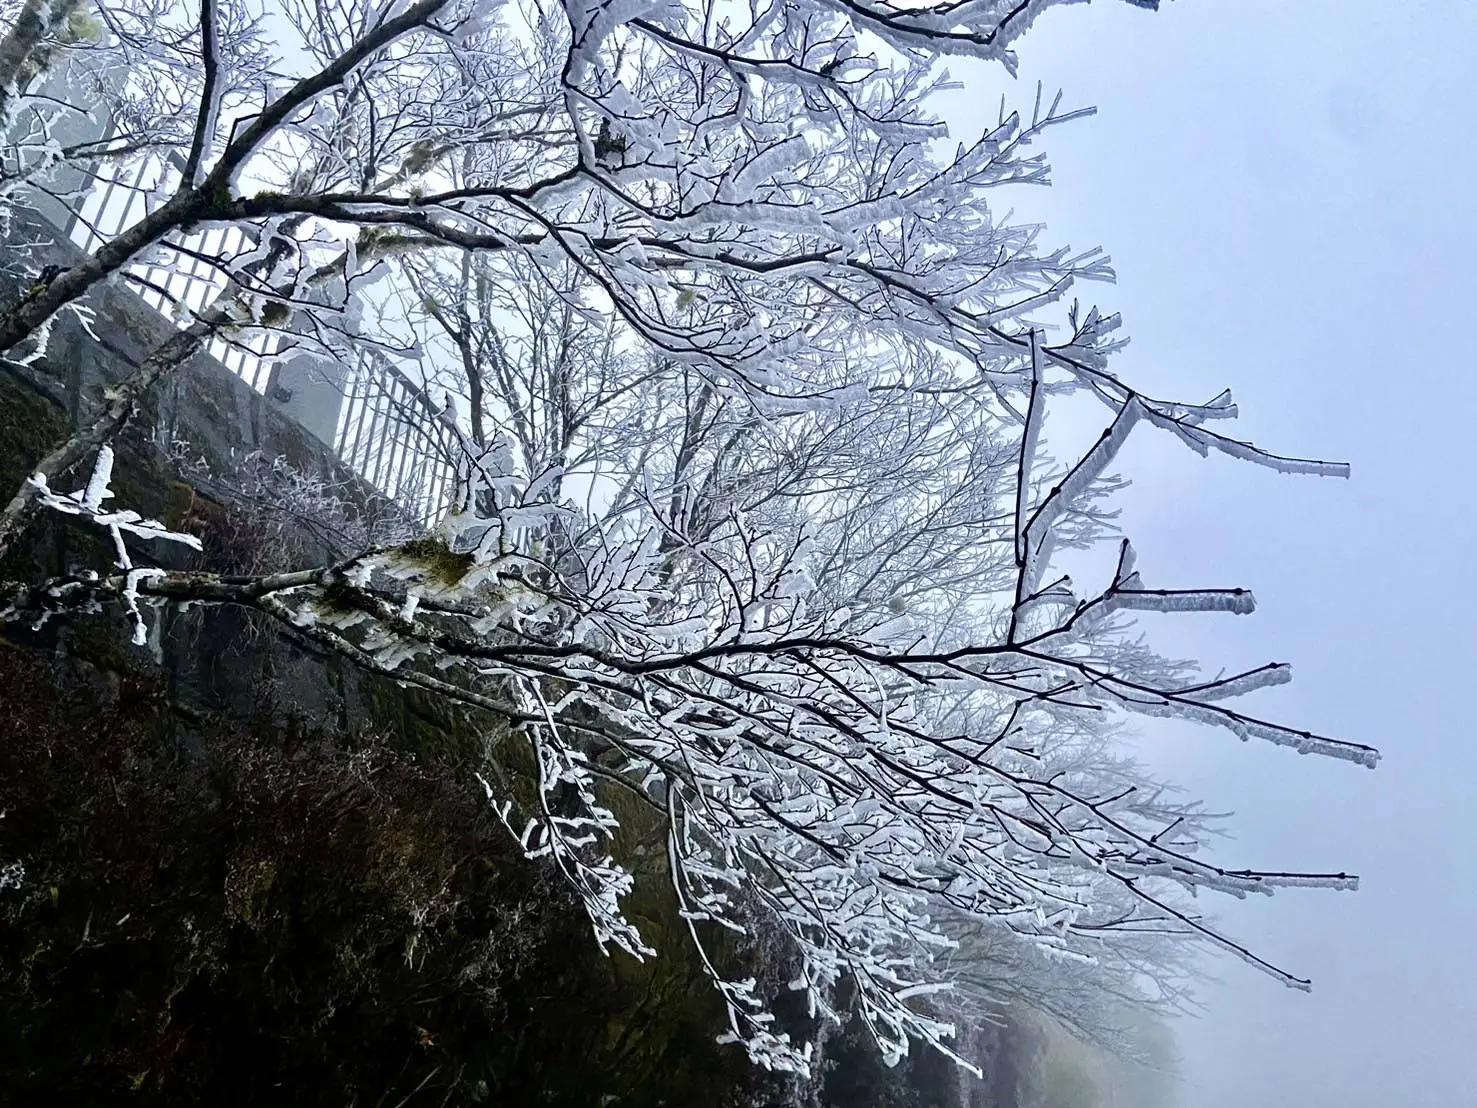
207 415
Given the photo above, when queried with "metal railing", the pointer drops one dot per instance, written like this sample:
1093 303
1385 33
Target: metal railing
388 430
394 436
183 280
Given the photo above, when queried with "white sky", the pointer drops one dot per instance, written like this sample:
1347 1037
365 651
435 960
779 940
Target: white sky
1286 189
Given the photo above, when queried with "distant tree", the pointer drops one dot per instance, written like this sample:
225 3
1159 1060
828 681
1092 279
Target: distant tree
754 526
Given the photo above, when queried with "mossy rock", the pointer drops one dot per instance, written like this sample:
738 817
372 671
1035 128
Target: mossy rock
30 425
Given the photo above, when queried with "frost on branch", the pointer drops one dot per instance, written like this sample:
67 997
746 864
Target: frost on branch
748 386
88 504
12 875
859 707
879 782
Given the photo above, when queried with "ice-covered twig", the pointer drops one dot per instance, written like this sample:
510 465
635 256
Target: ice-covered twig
87 503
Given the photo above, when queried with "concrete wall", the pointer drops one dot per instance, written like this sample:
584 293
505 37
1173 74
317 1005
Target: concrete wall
310 390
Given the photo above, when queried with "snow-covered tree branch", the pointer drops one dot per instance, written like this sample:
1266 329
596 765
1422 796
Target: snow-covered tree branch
748 389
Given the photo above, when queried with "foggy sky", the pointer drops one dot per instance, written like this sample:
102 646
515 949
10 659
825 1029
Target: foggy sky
1289 195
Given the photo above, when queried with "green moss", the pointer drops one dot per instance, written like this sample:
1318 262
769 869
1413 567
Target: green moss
442 566
30 425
